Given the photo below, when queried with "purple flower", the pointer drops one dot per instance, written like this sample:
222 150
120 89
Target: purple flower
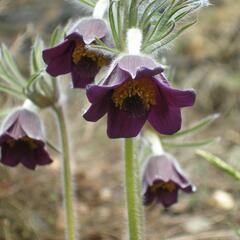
72 55
162 179
136 91
21 140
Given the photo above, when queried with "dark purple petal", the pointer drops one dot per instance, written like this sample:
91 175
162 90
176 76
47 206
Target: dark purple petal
42 156
121 125
189 188
4 138
177 98
96 111
148 73
148 197
28 159
84 73
74 37
59 58
91 28
167 198
165 119
9 157
97 93
133 63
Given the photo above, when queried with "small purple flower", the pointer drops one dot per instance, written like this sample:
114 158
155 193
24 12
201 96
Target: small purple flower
162 179
136 91
73 56
21 140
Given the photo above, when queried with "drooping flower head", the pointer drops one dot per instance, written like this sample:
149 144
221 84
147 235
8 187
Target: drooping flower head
22 141
162 179
73 55
135 91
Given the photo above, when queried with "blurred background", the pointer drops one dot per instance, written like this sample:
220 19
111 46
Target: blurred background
207 58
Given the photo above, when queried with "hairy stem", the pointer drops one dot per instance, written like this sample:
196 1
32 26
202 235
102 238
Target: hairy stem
133 193
67 176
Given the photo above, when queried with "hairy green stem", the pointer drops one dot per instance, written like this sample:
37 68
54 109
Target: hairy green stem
133 193
67 176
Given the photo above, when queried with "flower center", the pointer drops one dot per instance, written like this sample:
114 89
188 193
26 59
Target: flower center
169 186
25 140
135 96
80 52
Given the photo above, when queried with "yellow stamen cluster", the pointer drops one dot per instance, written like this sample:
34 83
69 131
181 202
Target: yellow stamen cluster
143 88
80 52
169 186
27 140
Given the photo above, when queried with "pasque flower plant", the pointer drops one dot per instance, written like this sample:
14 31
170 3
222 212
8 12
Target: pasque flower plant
113 59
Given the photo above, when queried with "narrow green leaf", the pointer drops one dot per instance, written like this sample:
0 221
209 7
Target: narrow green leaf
5 76
56 37
119 24
158 23
103 46
133 14
10 63
162 36
146 12
54 148
190 144
172 37
11 91
146 19
88 3
113 25
219 163
36 61
185 13
33 78
202 124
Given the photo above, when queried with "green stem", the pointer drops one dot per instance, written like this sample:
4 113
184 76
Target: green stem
67 177
133 193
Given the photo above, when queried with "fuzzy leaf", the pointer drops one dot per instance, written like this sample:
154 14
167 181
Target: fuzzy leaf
53 147
88 3
113 25
36 61
56 37
219 163
190 144
11 91
10 64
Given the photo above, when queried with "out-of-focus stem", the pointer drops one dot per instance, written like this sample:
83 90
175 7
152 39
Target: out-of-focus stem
67 175
133 193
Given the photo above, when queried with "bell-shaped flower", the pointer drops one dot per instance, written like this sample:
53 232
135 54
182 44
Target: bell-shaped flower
22 141
74 56
135 91
162 179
